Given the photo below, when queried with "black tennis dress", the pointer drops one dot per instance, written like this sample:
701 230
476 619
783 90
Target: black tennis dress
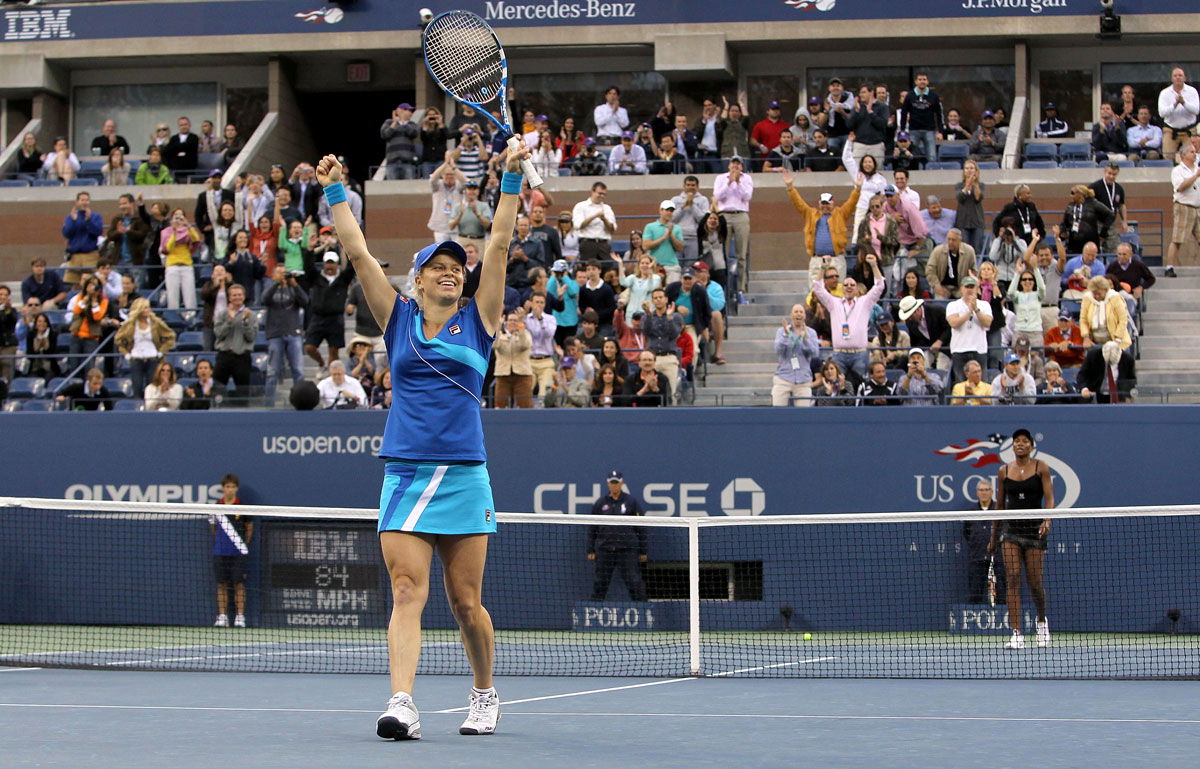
1024 495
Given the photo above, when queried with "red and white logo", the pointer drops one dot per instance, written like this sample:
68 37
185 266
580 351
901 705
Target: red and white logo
455 330
982 454
811 5
328 14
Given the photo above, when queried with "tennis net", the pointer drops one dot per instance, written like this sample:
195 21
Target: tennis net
134 586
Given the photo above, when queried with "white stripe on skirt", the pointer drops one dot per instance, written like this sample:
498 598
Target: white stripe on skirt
410 522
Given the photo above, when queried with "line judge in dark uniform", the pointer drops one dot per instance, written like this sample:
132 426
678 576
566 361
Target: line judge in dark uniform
978 533
617 547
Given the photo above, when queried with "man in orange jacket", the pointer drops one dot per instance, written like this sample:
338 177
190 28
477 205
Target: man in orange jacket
825 226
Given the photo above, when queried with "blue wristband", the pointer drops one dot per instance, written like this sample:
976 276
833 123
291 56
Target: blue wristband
511 183
335 193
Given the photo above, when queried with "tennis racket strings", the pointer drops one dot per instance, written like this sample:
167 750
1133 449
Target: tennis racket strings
463 54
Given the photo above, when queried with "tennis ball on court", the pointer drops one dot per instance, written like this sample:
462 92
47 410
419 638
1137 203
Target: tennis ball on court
808 636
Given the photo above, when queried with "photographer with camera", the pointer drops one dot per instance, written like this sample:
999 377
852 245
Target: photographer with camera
401 135
339 391
434 138
283 299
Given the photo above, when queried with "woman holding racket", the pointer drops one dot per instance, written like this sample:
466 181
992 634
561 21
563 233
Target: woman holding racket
436 491
1024 484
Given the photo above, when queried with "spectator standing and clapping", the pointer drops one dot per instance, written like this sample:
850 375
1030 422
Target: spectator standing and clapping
88 309
663 325
545 234
182 151
163 393
732 192
922 387
1185 193
691 208
60 163
610 117
594 222
177 245
614 548
866 177
839 105
541 328
1022 213
970 318
1084 218
401 136
735 133
969 216
921 117
1179 108
471 218
234 333
877 234
868 126
938 220
824 226
712 240
244 265
284 300
231 545
1108 192
797 348
513 371
82 228
708 132
565 290
665 241
446 184
143 339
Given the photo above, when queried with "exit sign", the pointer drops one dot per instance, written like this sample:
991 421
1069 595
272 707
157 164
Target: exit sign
358 72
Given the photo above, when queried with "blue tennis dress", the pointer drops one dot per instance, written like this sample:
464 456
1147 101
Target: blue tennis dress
436 480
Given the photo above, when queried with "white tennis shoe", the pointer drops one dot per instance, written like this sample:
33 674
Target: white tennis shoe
484 713
1043 632
401 721
222 621
239 620
1016 642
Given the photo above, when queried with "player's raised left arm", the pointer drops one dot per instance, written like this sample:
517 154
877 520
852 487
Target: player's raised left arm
490 294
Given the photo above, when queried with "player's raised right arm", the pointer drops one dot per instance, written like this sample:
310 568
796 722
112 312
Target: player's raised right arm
381 297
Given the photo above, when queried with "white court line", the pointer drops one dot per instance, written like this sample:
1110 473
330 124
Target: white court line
651 683
16 670
812 717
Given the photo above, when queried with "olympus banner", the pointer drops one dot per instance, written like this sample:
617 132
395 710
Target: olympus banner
678 462
275 17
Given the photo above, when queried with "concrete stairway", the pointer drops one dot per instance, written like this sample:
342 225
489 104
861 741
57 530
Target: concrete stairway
1170 351
746 379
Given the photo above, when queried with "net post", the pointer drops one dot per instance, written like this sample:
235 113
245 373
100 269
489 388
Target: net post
694 595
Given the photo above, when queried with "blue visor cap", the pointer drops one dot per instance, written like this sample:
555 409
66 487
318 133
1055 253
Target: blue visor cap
445 247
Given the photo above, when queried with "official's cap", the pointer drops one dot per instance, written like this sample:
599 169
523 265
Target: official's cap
614 476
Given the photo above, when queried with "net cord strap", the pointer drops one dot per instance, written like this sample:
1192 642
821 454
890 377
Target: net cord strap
653 521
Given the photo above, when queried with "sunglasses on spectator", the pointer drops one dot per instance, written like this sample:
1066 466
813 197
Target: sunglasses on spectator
163 128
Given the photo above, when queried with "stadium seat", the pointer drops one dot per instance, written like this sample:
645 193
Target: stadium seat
943 165
62 343
181 320
1040 151
47 183
59 382
1161 163
953 152
120 386
127 404
92 166
988 165
991 374
37 405
27 387
83 181
260 361
189 341
1122 163
1075 151
13 183
1076 164
1070 374
260 342
1040 164
184 362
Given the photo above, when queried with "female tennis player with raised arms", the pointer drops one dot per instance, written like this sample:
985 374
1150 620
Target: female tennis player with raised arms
436 491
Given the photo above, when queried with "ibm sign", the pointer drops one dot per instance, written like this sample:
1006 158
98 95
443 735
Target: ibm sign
43 24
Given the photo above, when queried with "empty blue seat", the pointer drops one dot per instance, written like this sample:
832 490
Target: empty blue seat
120 386
1069 375
27 387
943 165
182 361
1040 164
1127 163
83 181
47 183
37 405
260 342
1041 151
1075 151
59 382
62 343
988 165
127 404
13 183
189 341
1076 164
948 151
1161 163
260 361
181 320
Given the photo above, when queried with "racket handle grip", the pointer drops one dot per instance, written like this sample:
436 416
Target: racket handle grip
531 174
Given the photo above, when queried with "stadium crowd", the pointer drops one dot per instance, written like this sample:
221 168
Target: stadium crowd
909 303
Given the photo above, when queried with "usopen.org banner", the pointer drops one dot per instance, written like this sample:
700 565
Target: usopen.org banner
677 462
274 17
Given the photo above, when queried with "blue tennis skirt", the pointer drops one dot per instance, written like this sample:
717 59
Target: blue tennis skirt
431 498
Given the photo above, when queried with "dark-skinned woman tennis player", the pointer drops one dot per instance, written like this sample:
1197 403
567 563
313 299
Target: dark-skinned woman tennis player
1024 484
436 492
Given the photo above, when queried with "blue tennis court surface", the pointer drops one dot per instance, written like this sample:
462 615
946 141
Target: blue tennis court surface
173 720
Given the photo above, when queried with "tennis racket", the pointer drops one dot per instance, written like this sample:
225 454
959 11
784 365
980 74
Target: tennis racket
991 589
465 58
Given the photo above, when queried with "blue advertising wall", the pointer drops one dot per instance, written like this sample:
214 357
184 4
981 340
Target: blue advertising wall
693 462
260 17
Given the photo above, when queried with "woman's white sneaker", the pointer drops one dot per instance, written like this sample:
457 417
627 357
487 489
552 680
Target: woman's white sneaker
400 721
1043 632
484 713
1016 642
